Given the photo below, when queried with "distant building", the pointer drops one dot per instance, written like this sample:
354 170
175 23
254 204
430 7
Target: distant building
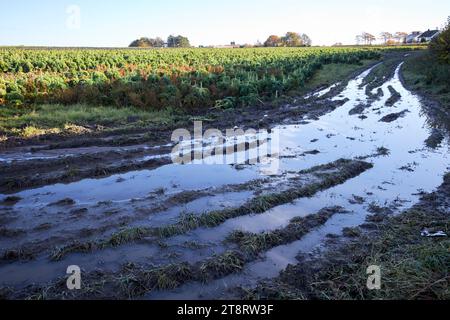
231 45
428 35
413 37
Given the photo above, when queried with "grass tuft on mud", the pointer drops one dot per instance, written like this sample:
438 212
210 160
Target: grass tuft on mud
254 244
222 265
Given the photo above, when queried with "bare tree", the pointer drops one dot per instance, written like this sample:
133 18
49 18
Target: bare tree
365 38
400 37
369 38
359 39
386 36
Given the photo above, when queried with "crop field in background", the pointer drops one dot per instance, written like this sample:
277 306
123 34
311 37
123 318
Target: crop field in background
156 79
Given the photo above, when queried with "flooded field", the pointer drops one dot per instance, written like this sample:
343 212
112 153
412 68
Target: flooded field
151 229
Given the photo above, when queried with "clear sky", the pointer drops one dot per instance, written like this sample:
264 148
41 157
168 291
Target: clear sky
206 22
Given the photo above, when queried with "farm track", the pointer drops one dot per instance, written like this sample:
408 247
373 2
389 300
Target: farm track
140 226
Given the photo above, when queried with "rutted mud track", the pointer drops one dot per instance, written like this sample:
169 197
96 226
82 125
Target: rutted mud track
140 226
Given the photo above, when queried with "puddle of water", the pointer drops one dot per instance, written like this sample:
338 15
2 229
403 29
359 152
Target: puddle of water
135 184
322 92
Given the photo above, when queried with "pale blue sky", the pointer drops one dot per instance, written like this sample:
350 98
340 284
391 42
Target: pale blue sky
118 22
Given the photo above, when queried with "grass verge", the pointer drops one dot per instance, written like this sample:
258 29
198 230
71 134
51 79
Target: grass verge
423 73
333 73
27 122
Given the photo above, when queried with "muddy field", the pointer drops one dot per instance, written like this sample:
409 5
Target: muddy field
142 227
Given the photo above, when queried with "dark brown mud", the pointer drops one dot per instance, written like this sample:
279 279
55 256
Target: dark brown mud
393 116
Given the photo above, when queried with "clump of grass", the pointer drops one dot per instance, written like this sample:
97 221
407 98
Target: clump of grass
116 239
32 131
187 221
376 209
186 196
135 282
10 233
382 151
126 236
351 232
219 266
63 202
61 252
254 244
19 254
11 200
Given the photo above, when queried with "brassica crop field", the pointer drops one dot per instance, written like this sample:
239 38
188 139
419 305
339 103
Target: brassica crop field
155 79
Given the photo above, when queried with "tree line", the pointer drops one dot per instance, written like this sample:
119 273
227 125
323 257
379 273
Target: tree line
171 42
388 38
291 39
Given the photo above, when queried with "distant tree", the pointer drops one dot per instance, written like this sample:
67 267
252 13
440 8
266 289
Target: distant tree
292 39
306 40
441 44
369 38
359 39
147 43
273 41
391 42
400 37
171 41
141 43
365 38
386 36
178 42
158 42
